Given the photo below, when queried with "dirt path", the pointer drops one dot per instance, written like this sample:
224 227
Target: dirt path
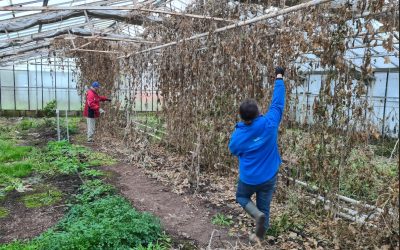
182 216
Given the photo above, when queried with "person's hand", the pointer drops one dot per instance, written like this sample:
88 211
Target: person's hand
279 72
102 111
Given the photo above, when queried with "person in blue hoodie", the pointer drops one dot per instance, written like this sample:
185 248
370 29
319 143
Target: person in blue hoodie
255 143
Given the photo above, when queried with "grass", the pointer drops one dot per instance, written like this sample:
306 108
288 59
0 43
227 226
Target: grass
3 212
47 198
14 165
16 169
10 152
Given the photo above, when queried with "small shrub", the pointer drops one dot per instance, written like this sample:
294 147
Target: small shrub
50 109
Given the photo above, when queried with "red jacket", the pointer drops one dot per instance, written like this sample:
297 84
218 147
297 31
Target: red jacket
92 104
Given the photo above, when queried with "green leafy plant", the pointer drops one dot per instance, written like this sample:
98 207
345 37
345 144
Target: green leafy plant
94 189
107 223
92 173
222 220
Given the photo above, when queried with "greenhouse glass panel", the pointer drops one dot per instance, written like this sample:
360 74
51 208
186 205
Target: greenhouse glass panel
6 78
21 95
7 98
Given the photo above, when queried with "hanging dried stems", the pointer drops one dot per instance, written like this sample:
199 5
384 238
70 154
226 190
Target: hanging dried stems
201 83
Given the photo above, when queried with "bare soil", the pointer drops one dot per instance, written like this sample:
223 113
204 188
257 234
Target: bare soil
25 223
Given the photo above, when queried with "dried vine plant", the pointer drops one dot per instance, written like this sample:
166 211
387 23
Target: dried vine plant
200 84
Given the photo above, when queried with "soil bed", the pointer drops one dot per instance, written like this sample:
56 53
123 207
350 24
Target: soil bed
24 223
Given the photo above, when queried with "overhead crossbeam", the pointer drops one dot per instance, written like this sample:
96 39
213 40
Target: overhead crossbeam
108 8
77 32
53 17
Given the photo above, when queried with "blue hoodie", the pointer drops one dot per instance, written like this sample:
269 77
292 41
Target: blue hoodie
256 145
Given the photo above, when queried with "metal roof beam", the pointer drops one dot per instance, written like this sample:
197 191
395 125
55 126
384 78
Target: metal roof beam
45 2
22 51
103 2
79 32
47 32
53 17
107 8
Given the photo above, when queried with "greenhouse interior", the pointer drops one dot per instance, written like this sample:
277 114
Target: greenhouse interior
196 124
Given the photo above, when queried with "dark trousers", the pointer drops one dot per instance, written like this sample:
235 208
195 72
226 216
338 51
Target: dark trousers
263 191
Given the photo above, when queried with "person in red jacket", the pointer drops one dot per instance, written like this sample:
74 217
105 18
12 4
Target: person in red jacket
92 109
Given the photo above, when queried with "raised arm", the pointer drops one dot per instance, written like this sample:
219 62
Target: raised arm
277 106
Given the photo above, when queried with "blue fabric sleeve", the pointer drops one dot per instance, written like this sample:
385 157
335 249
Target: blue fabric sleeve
274 114
233 145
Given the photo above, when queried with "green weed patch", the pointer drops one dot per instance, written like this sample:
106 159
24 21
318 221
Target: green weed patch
47 198
3 212
222 220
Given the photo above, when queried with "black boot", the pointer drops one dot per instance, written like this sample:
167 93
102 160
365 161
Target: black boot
259 217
